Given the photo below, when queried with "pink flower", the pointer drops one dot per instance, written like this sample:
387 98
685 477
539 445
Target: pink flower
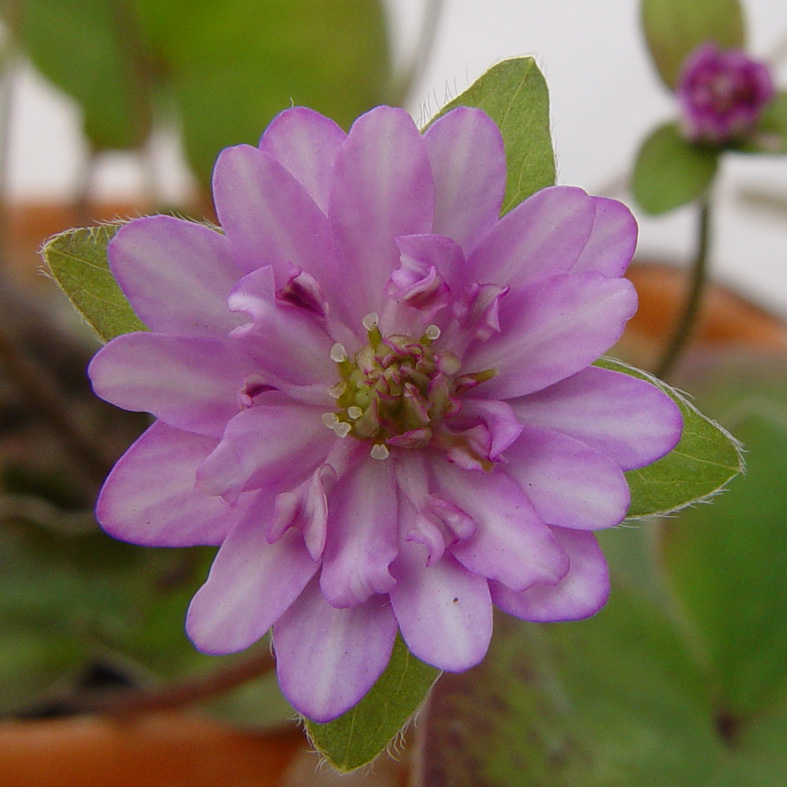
376 396
722 94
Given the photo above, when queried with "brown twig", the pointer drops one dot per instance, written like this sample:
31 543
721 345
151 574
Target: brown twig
179 694
29 508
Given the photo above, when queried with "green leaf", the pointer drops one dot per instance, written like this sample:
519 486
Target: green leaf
225 69
613 700
70 596
727 565
66 600
673 28
359 735
234 65
91 50
514 94
78 261
670 171
704 461
770 136
33 661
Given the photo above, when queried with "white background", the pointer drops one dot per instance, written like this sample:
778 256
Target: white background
605 97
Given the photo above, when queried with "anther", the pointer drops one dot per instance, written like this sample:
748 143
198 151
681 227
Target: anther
354 412
338 353
379 451
432 333
330 419
341 428
372 330
335 391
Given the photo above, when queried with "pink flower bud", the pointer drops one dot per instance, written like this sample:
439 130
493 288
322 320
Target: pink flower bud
722 94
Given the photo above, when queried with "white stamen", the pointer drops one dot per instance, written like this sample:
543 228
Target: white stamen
342 429
354 412
330 419
370 321
432 332
338 353
379 451
335 391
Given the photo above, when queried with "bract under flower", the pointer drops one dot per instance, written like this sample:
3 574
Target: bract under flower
376 396
722 94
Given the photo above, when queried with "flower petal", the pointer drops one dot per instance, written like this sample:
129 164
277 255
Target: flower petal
250 585
191 382
511 543
612 240
468 162
363 516
551 330
501 421
177 275
289 344
629 420
270 446
150 496
581 593
426 264
568 483
541 237
444 611
269 217
327 659
382 188
306 144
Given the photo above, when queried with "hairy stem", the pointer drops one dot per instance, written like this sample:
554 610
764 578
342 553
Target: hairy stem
688 318
404 81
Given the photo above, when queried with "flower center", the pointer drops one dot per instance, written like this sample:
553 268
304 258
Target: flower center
395 390
726 93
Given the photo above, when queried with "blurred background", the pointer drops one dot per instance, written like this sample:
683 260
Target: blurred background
605 97
118 107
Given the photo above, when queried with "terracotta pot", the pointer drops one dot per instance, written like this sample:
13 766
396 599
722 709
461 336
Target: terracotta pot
159 750
726 320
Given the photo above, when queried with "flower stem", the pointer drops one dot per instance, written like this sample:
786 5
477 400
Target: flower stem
688 318
179 694
404 81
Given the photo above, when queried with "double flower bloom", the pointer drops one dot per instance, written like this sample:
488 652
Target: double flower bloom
376 396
